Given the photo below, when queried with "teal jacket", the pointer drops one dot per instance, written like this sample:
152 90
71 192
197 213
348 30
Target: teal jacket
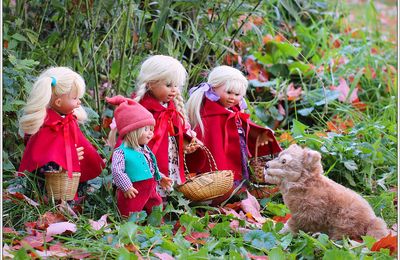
136 166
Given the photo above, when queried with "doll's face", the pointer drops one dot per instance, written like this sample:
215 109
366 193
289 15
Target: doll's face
66 103
162 90
146 136
228 98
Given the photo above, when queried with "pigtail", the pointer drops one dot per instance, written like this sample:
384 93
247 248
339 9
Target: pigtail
193 107
34 111
180 107
112 137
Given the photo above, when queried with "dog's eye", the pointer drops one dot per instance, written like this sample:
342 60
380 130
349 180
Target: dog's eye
283 161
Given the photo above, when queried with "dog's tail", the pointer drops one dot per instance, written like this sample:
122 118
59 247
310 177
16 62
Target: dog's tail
377 228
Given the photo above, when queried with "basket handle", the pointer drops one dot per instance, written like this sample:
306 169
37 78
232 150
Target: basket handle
210 158
257 145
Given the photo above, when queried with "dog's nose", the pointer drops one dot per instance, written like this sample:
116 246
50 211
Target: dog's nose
267 166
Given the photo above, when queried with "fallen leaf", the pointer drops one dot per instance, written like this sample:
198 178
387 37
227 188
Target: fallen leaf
389 242
97 225
49 218
286 137
9 230
20 196
164 256
251 205
37 240
282 219
344 90
196 237
60 227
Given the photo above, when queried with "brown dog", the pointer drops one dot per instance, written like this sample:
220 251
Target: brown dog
318 204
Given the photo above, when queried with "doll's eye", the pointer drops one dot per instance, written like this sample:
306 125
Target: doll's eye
283 161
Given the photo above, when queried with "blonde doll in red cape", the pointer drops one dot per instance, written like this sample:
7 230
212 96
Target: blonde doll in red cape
216 113
49 122
159 86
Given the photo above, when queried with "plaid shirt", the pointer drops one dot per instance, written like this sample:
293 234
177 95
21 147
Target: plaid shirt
120 178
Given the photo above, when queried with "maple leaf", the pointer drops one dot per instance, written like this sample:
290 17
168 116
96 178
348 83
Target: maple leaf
196 237
389 242
60 227
293 93
9 230
344 90
49 218
255 70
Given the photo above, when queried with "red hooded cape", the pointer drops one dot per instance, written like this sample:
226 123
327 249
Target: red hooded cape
221 137
168 122
56 141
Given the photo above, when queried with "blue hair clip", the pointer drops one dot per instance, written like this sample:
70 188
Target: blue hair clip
53 81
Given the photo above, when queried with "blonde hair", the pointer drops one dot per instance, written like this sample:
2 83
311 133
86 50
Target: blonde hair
166 68
34 112
222 76
132 138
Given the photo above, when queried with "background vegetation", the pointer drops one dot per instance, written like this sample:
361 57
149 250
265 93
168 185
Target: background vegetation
322 74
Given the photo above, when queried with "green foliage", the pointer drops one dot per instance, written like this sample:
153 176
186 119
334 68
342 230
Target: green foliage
299 45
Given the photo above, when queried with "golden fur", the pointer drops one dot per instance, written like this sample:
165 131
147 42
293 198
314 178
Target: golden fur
318 204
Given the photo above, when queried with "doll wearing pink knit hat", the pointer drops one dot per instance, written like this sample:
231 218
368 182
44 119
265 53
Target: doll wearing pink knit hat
134 166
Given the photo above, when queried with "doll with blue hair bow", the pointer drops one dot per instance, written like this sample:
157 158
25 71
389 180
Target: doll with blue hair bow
216 111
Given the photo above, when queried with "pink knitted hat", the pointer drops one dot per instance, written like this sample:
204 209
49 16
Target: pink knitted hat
130 115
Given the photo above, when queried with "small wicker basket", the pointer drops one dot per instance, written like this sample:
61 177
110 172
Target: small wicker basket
60 186
209 185
257 165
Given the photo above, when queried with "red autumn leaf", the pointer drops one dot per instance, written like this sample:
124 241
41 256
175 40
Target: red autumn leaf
267 38
234 206
106 122
255 70
389 242
293 93
37 240
60 227
336 43
344 90
20 196
196 237
5 44
131 247
49 218
360 105
78 254
338 125
281 110
9 230
282 219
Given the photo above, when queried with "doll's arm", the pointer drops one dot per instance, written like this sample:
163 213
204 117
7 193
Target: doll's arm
120 178
165 182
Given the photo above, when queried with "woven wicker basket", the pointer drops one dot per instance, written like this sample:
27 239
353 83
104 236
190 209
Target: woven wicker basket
209 185
257 165
60 186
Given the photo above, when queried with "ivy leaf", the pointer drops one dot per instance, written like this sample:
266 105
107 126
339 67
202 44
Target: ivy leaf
276 254
221 229
155 216
128 230
298 128
336 253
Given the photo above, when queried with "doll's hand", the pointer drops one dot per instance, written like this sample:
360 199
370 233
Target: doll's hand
193 146
265 139
131 193
80 152
165 182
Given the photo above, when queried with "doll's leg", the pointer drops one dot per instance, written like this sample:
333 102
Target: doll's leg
127 206
154 199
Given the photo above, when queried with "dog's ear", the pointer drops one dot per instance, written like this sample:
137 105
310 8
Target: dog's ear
311 159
